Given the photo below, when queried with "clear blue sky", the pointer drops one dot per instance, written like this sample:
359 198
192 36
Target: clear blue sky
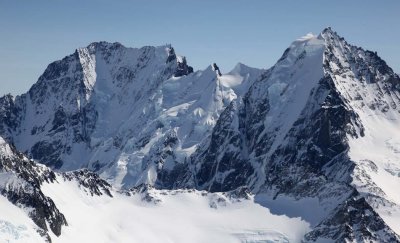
35 33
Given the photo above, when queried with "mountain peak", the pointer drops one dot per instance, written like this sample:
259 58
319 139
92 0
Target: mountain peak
329 34
8 97
239 66
328 30
104 45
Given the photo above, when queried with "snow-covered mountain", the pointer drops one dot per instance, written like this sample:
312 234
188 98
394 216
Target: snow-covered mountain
318 130
118 110
312 139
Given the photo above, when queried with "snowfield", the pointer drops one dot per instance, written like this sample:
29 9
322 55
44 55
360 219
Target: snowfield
173 216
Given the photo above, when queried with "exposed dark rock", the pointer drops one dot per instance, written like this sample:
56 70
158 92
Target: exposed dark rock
48 153
171 55
89 181
10 116
216 69
353 221
182 68
23 190
223 170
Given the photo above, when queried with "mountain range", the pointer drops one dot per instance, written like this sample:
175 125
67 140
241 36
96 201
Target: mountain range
134 140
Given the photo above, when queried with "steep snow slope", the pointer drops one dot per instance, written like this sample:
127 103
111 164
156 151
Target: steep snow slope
120 112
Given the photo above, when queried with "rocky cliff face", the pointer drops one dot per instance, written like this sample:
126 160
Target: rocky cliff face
20 181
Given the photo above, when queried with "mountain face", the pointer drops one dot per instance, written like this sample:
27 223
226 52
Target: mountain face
121 112
312 138
321 125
